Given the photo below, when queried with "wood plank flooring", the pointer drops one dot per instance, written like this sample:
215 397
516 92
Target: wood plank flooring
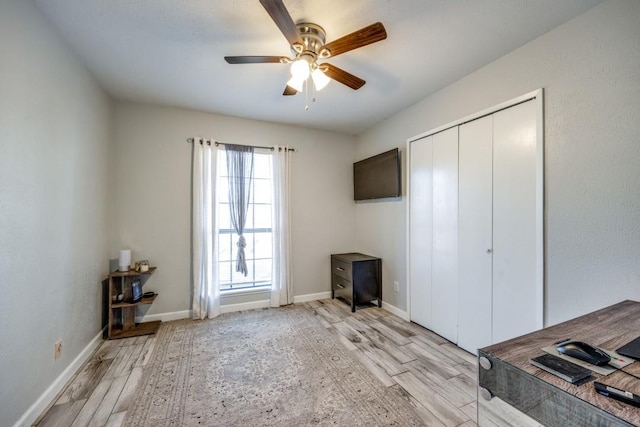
437 377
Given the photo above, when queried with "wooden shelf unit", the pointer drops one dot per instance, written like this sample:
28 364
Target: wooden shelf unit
149 300
121 322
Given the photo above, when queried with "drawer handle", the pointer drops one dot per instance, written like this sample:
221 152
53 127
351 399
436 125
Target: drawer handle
339 285
339 268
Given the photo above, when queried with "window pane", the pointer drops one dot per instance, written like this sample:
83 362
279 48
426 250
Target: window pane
224 247
263 247
222 163
263 271
262 166
262 191
223 189
224 218
250 218
224 272
263 216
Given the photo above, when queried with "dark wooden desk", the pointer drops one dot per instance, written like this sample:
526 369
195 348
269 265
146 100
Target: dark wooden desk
550 400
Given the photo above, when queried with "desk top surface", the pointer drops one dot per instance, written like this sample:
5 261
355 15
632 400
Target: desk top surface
608 328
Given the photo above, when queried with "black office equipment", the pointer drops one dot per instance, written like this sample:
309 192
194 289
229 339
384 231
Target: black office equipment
631 349
583 351
618 394
561 368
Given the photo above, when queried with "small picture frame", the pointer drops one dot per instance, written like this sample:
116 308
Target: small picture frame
136 291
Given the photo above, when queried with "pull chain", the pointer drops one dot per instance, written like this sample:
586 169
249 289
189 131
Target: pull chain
306 95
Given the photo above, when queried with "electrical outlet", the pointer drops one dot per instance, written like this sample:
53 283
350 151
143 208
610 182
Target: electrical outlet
57 350
396 286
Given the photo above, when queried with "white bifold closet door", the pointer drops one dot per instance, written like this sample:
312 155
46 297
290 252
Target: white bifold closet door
421 230
475 234
515 294
475 227
433 232
444 258
497 253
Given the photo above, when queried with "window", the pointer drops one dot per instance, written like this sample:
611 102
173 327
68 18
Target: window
257 231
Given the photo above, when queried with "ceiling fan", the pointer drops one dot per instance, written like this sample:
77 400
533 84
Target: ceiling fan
307 42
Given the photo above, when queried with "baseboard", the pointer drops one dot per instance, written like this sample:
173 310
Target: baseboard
229 308
311 297
186 314
395 310
46 398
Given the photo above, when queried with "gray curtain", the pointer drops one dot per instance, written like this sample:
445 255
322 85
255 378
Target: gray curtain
240 171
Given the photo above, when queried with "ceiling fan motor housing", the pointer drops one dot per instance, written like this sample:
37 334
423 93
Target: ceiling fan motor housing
314 38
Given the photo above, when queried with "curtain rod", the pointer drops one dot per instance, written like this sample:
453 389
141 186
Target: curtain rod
190 140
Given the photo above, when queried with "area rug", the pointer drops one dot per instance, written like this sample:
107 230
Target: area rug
260 368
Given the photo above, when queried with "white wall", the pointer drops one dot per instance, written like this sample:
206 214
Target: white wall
152 194
590 70
55 125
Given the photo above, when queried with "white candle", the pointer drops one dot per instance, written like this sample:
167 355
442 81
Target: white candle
124 262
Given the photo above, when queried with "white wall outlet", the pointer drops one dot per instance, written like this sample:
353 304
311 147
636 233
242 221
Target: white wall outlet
396 286
57 350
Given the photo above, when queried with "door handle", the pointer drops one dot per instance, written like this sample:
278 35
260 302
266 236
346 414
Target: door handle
489 251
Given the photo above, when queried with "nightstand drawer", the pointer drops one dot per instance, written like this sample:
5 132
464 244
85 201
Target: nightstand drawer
341 269
341 287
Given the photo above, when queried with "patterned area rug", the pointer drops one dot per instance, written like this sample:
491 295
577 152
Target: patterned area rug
260 368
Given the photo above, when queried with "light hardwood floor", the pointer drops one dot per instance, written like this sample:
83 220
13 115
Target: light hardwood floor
439 377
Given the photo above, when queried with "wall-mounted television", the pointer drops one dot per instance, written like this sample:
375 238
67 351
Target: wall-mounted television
377 177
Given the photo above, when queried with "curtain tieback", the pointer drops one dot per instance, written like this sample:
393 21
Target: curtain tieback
241 262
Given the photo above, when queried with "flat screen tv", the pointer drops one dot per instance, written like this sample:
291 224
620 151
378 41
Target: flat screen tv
377 177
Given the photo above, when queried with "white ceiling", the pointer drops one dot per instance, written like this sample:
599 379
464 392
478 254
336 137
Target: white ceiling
170 52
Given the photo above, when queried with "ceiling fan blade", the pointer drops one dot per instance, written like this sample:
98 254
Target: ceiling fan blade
342 76
288 90
364 36
252 59
280 15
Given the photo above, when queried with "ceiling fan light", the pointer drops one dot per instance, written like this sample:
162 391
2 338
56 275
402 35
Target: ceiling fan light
320 79
296 83
300 69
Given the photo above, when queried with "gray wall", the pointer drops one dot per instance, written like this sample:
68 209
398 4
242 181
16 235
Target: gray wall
590 70
55 125
152 194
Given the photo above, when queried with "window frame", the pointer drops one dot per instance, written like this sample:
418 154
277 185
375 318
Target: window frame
249 233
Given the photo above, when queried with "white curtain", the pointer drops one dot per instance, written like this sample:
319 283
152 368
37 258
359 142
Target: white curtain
206 292
282 280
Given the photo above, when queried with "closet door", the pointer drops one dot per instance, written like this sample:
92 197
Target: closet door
444 265
420 229
515 298
475 243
